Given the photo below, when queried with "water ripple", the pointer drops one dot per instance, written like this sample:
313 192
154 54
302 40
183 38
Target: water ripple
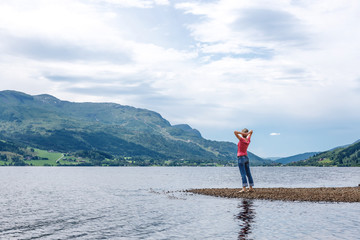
147 203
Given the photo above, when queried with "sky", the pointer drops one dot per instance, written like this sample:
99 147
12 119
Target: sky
288 69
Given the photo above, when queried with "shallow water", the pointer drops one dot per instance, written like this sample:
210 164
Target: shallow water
144 203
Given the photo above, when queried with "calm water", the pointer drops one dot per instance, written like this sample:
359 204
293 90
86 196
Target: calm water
143 203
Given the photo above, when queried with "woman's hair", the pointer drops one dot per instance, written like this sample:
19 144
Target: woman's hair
245 130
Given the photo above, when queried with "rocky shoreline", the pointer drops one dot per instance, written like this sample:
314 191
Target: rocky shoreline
339 194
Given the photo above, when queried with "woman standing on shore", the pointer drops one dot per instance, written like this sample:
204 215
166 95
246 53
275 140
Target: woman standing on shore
244 140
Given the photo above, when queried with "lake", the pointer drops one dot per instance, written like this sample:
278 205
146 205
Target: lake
146 203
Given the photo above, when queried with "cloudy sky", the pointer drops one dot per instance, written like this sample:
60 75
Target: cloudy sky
289 69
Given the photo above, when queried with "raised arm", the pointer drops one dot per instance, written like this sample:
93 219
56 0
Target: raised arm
237 134
249 134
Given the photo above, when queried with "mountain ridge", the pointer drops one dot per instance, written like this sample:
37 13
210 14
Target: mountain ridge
46 122
295 158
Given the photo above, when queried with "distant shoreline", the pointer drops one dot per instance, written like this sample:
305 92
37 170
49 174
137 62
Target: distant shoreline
201 166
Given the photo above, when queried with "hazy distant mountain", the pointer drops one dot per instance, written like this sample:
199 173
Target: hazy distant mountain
46 122
273 158
295 158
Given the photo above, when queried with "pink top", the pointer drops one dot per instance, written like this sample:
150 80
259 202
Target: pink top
242 146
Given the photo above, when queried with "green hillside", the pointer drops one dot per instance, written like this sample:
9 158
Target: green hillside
348 156
45 122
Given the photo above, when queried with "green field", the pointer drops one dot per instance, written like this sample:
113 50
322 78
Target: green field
326 160
54 159
46 158
51 156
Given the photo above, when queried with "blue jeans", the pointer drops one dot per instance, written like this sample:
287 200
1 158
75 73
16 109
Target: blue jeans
244 167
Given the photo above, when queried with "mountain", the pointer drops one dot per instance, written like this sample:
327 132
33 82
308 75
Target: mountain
45 122
340 156
295 158
273 158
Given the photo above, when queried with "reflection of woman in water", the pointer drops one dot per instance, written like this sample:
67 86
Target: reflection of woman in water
246 217
244 140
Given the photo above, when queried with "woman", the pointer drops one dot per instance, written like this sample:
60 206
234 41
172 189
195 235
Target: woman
244 140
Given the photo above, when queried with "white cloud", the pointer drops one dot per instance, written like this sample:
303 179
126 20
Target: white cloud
300 39
76 39
274 134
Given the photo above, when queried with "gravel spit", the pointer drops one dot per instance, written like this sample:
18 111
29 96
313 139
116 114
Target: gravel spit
338 194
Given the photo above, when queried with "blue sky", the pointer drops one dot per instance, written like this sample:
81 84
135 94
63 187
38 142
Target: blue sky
286 69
